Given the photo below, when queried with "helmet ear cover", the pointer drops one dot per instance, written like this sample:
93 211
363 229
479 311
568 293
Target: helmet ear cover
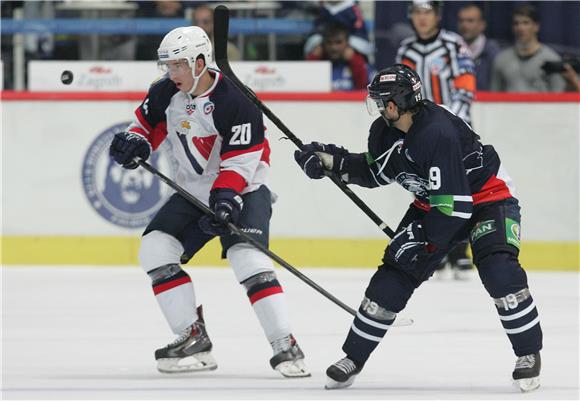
399 84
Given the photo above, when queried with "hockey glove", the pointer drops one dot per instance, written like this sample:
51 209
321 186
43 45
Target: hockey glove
316 157
227 205
126 146
409 245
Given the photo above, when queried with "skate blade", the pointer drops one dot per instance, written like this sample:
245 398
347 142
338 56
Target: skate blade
293 369
527 385
332 384
200 362
401 321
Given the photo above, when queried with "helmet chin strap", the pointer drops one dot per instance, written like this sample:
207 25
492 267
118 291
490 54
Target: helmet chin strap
196 80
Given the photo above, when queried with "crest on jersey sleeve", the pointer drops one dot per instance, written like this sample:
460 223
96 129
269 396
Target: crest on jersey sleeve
413 183
126 198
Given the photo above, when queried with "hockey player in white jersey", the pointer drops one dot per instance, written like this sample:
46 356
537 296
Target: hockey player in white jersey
218 138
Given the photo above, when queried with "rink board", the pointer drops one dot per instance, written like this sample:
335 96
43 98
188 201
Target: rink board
55 214
299 252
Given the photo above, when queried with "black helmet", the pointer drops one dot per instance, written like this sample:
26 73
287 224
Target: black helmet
397 83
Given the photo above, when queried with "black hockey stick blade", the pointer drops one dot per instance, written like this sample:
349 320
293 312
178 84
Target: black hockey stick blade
221 29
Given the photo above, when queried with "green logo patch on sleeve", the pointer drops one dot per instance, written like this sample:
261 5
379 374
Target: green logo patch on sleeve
482 228
512 232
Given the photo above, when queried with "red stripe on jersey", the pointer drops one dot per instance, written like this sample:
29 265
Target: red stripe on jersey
494 189
158 289
234 153
229 179
204 144
421 205
158 134
266 153
265 293
142 119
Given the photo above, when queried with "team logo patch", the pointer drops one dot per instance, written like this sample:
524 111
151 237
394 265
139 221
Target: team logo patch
190 108
413 183
185 124
481 229
126 198
388 78
208 107
512 232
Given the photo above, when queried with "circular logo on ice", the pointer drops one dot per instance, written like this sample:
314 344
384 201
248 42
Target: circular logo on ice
127 198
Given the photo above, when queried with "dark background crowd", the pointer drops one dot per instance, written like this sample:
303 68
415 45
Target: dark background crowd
542 38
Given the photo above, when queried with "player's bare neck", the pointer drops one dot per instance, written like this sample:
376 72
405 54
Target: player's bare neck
404 122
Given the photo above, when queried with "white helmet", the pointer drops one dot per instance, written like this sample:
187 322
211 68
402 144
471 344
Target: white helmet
186 43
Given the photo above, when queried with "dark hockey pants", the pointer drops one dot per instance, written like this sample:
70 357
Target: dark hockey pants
493 232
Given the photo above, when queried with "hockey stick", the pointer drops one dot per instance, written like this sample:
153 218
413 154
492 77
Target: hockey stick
236 230
221 27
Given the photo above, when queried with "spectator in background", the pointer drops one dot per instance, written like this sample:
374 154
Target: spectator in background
350 70
147 44
444 64
519 67
441 58
471 26
571 77
203 17
348 14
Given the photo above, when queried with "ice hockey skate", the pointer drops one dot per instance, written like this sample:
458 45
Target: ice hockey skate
288 358
190 352
341 374
526 374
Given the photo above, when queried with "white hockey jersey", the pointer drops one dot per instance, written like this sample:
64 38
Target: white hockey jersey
218 138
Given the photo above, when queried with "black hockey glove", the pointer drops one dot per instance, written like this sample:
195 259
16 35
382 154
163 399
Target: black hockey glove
409 245
126 146
316 157
227 205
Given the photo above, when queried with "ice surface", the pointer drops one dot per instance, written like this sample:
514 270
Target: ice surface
90 333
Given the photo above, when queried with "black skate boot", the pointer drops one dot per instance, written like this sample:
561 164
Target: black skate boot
526 374
341 374
288 358
190 352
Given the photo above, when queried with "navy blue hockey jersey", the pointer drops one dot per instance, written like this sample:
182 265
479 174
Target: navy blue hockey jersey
441 161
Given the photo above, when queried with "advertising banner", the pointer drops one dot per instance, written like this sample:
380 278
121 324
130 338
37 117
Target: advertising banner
129 76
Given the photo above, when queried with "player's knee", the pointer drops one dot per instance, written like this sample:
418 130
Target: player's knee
264 279
390 288
165 273
247 261
159 249
501 274
373 309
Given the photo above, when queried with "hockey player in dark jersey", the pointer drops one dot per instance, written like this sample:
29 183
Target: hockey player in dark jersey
461 191
445 66
218 140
